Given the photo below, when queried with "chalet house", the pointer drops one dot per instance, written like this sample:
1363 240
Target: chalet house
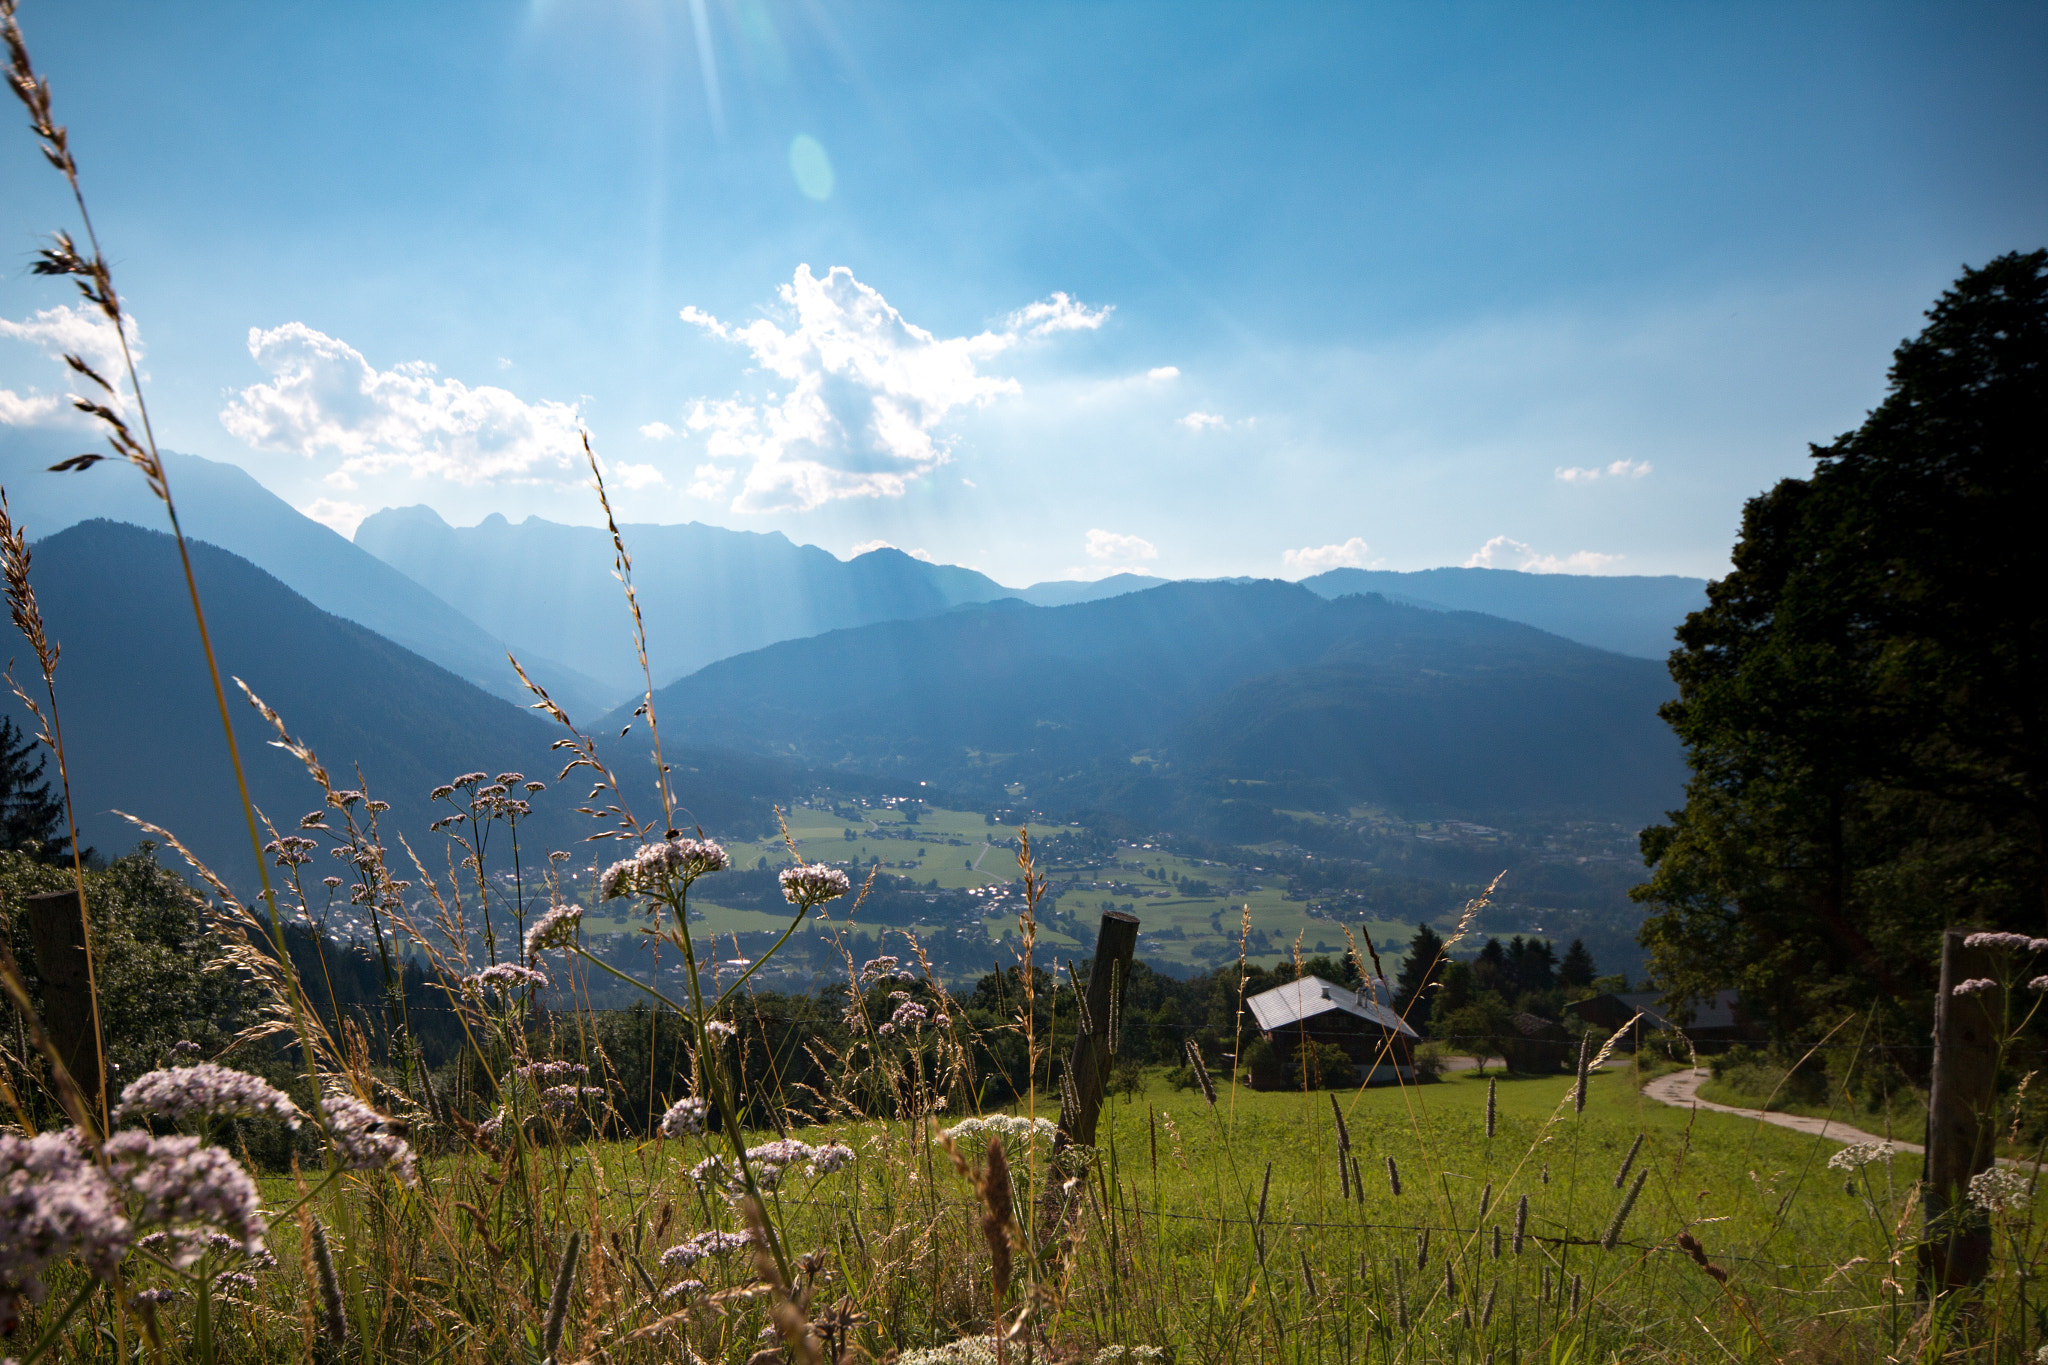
1378 1041
1714 1024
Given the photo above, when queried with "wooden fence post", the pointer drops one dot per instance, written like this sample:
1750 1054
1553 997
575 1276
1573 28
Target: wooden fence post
56 921
1961 1119
1094 1042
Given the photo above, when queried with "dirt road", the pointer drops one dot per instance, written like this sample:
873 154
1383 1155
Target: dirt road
1681 1088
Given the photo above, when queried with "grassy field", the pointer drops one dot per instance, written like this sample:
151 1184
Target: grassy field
1227 1234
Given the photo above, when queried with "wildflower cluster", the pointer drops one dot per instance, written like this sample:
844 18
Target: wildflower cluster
551 1073
564 1097
2014 943
656 868
809 885
770 1160
913 1015
178 1181
687 1254
1011 1128
554 929
363 1138
885 968
182 1093
1976 985
292 850
1860 1154
2000 1190
505 978
685 1118
54 1204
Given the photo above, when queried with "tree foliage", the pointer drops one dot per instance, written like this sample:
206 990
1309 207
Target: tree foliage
1862 699
29 814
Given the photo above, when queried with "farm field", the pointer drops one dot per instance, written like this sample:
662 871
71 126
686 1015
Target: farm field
960 851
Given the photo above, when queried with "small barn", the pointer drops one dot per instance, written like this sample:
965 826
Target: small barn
1379 1042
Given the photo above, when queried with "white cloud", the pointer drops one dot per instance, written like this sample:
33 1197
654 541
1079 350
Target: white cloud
635 476
1582 561
68 330
1057 314
343 517
85 332
1163 372
1116 549
709 482
866 391
503 363
969 482
657 431
1620 469
869 546
1321 558
1195 421
32 410
325 398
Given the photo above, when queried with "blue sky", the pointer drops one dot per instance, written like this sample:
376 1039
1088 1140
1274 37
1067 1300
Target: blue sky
1048 290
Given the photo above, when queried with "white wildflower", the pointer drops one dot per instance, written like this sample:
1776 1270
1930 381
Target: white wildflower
1858 1155
1998 1190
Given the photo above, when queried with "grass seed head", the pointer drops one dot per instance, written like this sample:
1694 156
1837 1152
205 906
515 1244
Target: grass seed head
558 1303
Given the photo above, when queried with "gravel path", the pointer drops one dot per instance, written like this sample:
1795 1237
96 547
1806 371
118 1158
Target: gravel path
1681 1088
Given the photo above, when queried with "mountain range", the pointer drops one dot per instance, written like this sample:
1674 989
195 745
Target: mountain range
1187 694
1627 613
465 596
142 728
1204 706
222 505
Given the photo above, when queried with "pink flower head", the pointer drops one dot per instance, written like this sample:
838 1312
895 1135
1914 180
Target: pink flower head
181 1093
685 1118
830 1158
656 869
364 1140
507 977
2017 943
2039 983
54 1204
812 884
1976 985
178 1182
554 929
687 1254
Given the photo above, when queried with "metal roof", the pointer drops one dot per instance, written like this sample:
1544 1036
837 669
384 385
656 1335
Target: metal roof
1310 996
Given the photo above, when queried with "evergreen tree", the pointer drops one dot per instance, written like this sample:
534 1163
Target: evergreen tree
1577 971
29 815
1416 972
1861 698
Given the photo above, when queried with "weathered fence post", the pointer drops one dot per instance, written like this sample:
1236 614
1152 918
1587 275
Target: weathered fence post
1961 1122
56 921
1095 1041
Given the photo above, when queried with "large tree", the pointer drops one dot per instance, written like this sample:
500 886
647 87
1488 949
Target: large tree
1862 699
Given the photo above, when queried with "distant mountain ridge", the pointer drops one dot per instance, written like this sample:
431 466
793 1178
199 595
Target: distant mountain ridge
223 505
1144 702
1629 614
142 730
707 592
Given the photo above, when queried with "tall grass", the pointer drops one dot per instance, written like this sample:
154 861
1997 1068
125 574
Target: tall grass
505 1213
